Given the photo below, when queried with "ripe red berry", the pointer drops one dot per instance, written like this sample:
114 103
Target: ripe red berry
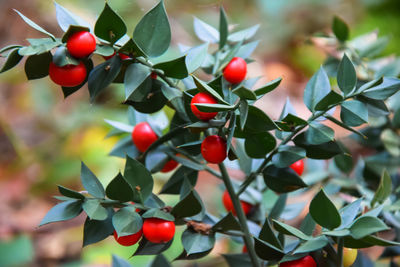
203 98
169 166
69 75
213 149
158 230
227 201
244 249
128 240
153 75
81 44
121 56
143 136
298 167
236 70
306 261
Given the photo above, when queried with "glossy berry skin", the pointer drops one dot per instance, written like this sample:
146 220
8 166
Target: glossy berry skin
68 75
349 256
203 98
307 261
121 56
81 44
169 166
128 240
143 136
227 201
236 70
213 149
158 230
298 167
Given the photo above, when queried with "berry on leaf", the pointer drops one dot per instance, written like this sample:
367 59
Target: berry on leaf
227 201
298 167
213 149
203 98
68 75
81 44
143 136
128 240
236 70
306 261
158 230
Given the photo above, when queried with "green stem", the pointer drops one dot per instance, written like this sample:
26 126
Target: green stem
241 216
340 252
160 74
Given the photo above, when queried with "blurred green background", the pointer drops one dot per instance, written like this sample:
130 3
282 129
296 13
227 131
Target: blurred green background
43 137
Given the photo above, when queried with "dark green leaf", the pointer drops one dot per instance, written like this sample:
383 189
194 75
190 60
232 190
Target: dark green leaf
188 163
340 29
384 189
139 178
153 33
34 25
282 180
95 231
62 58
322 151
223 27
346 76
135 75
257 121
268 87
73 29
9 47
316 89
331 99
228 223
344 126
290 230
127 221
189 206
196 243
109 26
119 189
157 213
312 245
318 133
388 87
245 93
174 183
237 260
367 225
70 193
308 225
148 248
103 75
269 236
267 251
203 87
288 155
324 212
131 48
125 147
62 212
160 261
94 210
65 18
175 68
354 113
214 107
12 60
91 183
257 145
37 66
244 111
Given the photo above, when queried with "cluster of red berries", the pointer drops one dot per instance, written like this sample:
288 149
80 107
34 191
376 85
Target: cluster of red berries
154 230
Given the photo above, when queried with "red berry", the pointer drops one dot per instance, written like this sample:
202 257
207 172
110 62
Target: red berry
153 75
227 201
298 167
213 149
121 56
169 166
236 70
143 136
244 249
203 98
68 75
128 240
81 44
307 261
158 230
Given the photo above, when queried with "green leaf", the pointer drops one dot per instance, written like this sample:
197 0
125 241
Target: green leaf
94 210
349 212
34 25
187 163
316 89
203 87
246 50
119 262
278 207
95 231
70 193
282 180
237 260
288 155
205 32
257 145
243 111
312 245
354 113
188 206
153 33
175 68
160 261
228 223
384 189
91 183
71 30
331 99
39 46
340 29
131 48
119 189
63 211
103 75
109 26
139 178
244 93
324 212
148 248
243 35
62 58
127 221
174 184
388 87
318 133
135 76
257 121
267 235
266 251
270 86
12 60
214 107
290 230
321 151
344 126
195 57
37 66
157 213
367 225
223 27
346 76
391 141
196 243
66 18
9 47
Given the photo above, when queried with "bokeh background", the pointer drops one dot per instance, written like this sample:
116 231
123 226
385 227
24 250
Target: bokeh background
43 137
